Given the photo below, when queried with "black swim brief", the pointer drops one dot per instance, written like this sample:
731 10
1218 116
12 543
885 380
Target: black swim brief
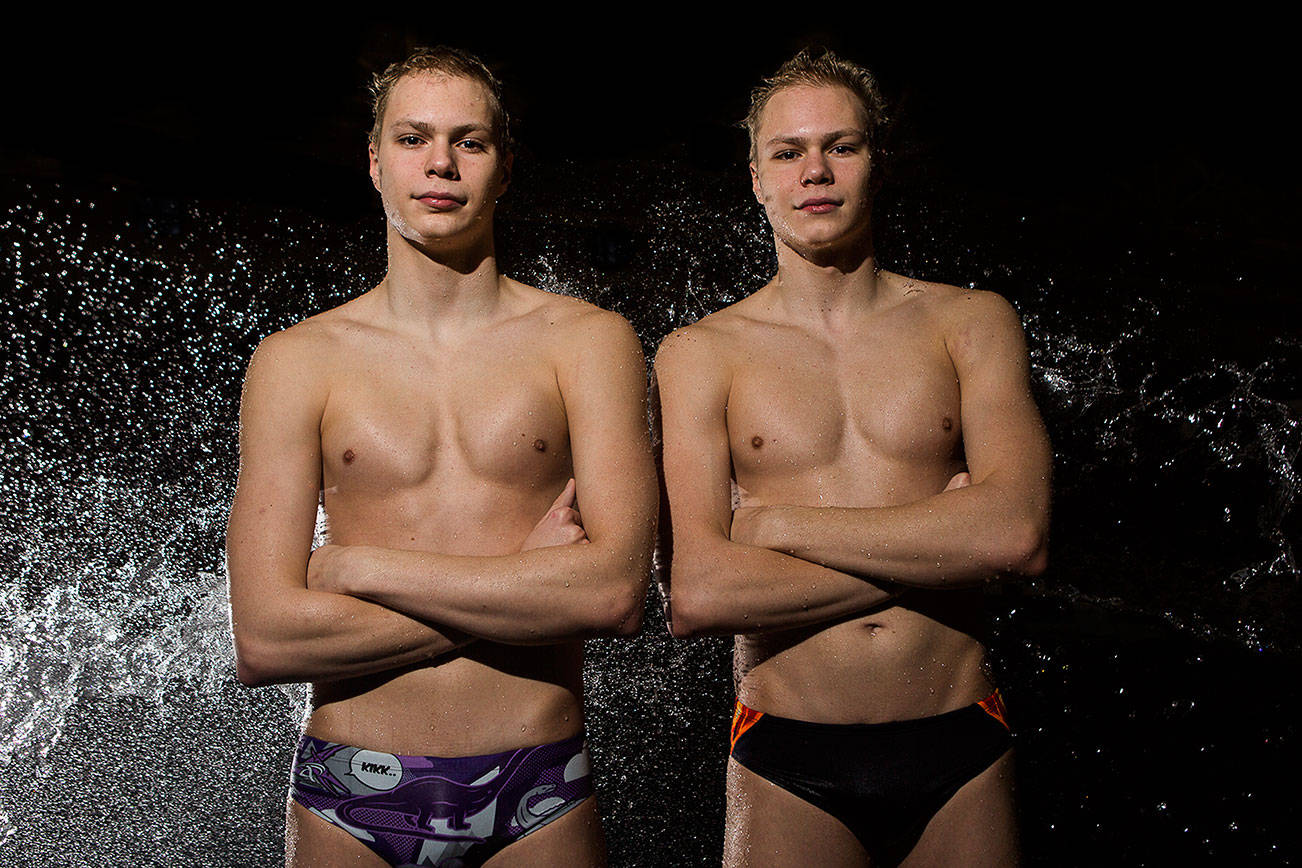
884 781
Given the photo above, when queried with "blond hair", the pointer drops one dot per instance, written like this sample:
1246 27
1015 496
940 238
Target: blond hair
443 60
821 68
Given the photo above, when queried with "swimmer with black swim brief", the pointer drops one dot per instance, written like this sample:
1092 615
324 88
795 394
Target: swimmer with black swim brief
884 781
887 460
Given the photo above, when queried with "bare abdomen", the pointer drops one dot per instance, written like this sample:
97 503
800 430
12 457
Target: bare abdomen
487 698
896 664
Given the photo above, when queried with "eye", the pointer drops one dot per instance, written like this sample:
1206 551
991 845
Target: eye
785 155
474 145
844 149
410 140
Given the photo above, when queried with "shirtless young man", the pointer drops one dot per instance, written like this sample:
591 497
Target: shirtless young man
848 403
449 414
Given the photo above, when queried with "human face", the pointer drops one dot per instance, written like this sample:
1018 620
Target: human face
812 168
437 163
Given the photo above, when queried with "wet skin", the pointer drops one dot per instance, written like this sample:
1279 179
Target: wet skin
443 414
844 400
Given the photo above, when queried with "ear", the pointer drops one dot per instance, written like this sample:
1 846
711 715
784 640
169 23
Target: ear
375 165
755 183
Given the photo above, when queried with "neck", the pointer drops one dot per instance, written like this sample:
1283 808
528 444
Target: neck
440 285
829 284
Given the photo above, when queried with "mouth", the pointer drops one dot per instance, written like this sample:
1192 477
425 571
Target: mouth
441 200
818 206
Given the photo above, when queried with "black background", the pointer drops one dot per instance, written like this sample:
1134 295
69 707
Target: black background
1151 160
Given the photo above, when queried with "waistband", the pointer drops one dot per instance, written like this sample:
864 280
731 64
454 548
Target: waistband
744 717
321 747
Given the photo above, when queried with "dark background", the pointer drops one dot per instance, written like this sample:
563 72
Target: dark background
1131 187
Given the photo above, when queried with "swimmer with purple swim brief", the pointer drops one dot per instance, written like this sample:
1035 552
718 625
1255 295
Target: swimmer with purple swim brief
414 810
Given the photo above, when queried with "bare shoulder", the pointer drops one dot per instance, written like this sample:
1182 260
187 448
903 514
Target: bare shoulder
573 319
710 342
979 325
300 353
573 330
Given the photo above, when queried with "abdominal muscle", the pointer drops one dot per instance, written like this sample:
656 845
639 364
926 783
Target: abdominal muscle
897 663
482 698
916 657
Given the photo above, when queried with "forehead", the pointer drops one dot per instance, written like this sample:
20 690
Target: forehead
803 110
437 98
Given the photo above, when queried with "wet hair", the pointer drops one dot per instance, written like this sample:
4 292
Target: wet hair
443 60
821 67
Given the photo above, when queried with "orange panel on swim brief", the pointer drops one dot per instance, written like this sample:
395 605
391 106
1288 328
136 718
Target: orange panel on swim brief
993 705
743 718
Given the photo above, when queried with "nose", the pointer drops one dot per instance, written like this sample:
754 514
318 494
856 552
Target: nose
816 170
441 161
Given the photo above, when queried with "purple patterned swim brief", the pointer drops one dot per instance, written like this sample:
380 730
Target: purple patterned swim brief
453 812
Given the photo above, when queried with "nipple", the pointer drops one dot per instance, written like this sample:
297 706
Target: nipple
349 455
540 444
947 423
756 441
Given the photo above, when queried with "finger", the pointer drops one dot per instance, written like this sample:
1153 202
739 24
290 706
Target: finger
962 479
566 497
578 519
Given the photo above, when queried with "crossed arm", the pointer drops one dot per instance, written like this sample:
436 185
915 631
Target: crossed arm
284 631
718 584
595 585
964 535
751 570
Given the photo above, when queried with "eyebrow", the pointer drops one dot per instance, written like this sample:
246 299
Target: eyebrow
830 137
428 129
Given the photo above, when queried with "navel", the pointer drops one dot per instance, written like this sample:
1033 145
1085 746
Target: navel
349 456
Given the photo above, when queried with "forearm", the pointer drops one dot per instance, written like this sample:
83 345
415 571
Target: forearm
541 596
307 635
954 539
722 587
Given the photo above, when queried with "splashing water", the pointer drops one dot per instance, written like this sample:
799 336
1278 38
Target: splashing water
131 320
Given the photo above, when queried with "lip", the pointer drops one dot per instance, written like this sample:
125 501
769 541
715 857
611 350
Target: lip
441 200
818 205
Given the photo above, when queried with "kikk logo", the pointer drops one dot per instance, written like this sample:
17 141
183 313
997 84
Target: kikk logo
379 771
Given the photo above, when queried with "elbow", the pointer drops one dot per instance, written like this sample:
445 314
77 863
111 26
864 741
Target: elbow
689 609
627 620
621 610
252 667
1025 551
261 661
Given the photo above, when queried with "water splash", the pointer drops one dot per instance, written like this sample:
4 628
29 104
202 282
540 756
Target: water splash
131 321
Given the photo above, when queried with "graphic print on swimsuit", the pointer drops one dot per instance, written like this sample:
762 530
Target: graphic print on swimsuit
414 810
432 806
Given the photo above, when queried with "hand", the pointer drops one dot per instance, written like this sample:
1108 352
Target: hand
962 479
561 526
740 497
323 569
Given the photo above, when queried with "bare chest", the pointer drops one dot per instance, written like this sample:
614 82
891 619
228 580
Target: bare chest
398 421
800 406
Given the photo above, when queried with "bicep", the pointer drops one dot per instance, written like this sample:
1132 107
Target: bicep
1003 435
697 461
273 514
604 391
